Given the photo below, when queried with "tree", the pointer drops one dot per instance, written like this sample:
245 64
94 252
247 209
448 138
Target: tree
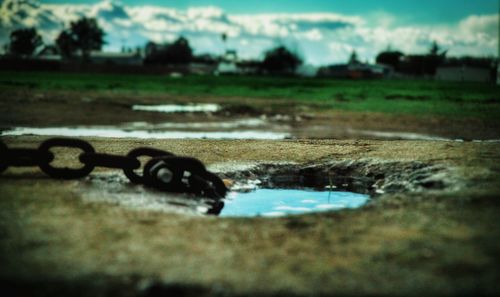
423 64
435 50
390 57
86 35
224 40
24 42
353 59
150 49
65 44
434 58
281 60
178 52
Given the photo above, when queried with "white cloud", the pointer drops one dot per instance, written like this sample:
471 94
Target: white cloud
320 37
209 12
487 24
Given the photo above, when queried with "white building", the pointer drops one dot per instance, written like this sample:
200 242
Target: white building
463 73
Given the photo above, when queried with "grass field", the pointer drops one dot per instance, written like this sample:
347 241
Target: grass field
416 97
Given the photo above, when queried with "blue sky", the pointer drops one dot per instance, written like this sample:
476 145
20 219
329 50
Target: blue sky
409 11
322 31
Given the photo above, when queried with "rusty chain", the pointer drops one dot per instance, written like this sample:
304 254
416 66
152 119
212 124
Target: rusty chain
164 171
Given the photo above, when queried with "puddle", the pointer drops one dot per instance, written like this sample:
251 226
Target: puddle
281 202
397 135
259 128
252 122
274 190
241 202
245 128
111 132
115 189
176 108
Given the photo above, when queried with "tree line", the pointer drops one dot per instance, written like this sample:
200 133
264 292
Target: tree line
424 64
82 36
427 63
85 35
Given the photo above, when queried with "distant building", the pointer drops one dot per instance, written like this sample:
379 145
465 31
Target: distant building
230 56
498 73
306 70
227 68
116 58
463 73
249 67
49 53
202 68
52 53
228 63
355 71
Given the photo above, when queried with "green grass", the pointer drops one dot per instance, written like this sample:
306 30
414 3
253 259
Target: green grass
418 97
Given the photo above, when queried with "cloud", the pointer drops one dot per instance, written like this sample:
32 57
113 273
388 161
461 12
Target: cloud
321 38
109 11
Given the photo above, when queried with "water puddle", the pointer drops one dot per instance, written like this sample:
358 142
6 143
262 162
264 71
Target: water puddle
245 200
234 124
276 190
397 135
177 108
113 132
281 202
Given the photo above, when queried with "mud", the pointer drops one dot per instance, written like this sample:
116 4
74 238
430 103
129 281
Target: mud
369 177
363 176
42 109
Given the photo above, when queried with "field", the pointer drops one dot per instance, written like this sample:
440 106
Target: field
415 97
432 227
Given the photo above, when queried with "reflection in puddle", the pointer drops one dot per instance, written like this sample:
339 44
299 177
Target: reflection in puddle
253 122
397 135
280 202
172 108
145 134
116 189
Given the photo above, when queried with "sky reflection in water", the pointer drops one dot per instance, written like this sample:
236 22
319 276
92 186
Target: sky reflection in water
280 202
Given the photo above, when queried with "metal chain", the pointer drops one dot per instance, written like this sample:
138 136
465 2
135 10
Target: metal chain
164 171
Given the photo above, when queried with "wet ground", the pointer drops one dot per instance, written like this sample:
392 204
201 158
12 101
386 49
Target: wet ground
246 198
165 117
431 227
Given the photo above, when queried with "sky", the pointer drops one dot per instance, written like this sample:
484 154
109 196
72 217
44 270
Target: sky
409 11
322 31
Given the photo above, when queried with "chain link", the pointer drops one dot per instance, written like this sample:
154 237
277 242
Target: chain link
24 157
164 171
3 157
109 161
65 173
142 152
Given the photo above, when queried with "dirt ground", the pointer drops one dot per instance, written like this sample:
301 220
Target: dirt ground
65 108
430 228
435 233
